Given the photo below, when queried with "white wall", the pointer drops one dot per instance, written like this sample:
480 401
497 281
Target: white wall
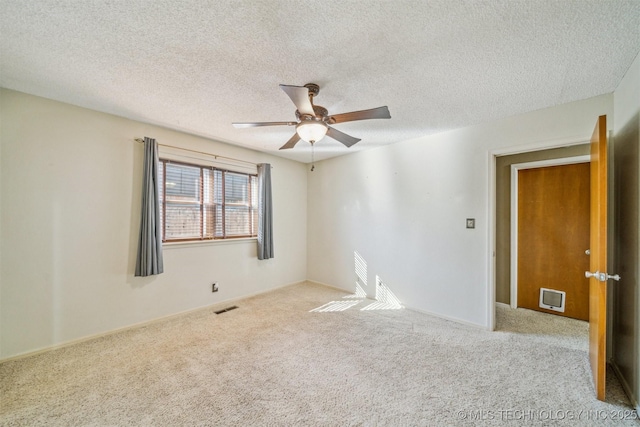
70 190
403 207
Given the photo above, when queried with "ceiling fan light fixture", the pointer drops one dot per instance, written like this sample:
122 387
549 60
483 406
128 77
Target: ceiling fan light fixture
311 131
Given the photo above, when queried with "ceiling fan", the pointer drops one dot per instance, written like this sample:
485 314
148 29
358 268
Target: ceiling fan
313 120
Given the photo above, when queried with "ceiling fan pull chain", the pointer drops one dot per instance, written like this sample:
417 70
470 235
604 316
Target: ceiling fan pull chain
313 166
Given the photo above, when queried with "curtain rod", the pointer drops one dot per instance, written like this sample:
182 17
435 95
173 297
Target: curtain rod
215 156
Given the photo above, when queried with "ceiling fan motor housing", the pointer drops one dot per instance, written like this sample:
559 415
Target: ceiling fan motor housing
321 114
314 89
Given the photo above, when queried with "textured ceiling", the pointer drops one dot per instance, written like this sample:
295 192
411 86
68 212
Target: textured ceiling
198 66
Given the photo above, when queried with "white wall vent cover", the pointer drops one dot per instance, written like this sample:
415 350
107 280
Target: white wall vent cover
552 299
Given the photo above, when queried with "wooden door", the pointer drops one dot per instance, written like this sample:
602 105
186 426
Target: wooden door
553 234
598 258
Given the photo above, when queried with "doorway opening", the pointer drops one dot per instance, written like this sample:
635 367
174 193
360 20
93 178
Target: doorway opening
503 221
550 236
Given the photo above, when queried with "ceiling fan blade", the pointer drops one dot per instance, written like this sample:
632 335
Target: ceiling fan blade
374 113
256 124
300 97
291 142
341 137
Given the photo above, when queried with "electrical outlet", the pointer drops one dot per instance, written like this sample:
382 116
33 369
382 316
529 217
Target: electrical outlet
214 287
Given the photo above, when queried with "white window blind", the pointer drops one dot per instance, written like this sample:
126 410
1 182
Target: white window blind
205 203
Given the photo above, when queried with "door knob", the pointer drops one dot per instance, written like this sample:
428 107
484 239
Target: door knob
603 277
588 252
589 274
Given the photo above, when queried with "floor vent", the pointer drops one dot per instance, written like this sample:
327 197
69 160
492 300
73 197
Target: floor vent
552 299
224 310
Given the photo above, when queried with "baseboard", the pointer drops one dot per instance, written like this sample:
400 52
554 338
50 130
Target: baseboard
449 318
625 386
139 324
329 286
503 305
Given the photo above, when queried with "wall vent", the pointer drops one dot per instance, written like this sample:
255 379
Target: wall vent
552 299
224 310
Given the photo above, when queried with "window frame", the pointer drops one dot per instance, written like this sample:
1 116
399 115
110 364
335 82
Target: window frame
251 204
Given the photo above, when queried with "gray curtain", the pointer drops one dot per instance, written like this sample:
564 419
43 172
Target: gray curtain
149 260
265 219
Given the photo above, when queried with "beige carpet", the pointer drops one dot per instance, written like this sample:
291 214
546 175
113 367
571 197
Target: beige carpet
275 362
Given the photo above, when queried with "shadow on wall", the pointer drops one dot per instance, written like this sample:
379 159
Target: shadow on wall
385 298
626 344
136 197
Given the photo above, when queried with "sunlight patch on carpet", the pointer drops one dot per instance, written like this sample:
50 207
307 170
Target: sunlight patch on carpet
335 306
385 300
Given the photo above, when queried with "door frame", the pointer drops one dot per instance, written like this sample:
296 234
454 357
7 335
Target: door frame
515 168
491 211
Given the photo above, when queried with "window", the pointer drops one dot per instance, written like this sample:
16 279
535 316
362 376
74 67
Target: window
206 203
